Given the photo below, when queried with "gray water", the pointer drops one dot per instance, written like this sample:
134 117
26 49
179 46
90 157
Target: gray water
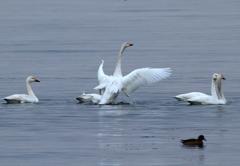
62 43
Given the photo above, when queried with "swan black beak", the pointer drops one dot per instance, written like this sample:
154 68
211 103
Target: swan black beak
130 44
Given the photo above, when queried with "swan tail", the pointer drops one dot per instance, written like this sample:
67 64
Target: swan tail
179 98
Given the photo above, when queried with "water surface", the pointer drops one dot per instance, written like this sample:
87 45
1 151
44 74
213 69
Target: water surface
62 44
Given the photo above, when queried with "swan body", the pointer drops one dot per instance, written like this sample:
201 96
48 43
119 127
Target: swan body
186 96
89 98
210 100
110 86
23 98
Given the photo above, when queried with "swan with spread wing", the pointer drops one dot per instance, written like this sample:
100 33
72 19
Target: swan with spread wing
110 86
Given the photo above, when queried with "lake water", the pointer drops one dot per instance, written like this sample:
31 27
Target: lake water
62 43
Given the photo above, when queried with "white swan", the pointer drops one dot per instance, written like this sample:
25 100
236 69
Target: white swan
23 98
186 96
208 100
110 86
89 98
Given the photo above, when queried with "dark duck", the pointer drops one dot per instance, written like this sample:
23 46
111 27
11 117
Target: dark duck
194 141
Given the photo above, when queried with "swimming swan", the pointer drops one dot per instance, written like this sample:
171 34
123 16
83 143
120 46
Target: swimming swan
23 98
110 86
186 96
208 100
89 98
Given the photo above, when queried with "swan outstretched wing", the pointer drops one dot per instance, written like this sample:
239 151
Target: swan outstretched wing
143 76
102 79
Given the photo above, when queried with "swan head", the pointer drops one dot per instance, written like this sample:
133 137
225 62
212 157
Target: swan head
126 45
214 76
220 76
32 79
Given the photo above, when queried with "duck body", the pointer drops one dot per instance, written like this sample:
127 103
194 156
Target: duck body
24 98
194 141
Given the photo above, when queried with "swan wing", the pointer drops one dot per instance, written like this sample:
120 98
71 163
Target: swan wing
186 96
103 79
115 85
20 98
143 76
204 100
112 85
17 97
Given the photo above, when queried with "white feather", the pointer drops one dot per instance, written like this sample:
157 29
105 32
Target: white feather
23 98
110 86
207 100
141 77
186 96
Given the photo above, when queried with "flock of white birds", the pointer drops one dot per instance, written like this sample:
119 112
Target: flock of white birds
110 86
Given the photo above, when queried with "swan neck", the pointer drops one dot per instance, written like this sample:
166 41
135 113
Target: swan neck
29 89
221 95
118 70
213 89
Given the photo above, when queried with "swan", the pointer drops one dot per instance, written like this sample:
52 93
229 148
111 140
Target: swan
89 98
186 96
110 86
23 98
102 79
208 100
